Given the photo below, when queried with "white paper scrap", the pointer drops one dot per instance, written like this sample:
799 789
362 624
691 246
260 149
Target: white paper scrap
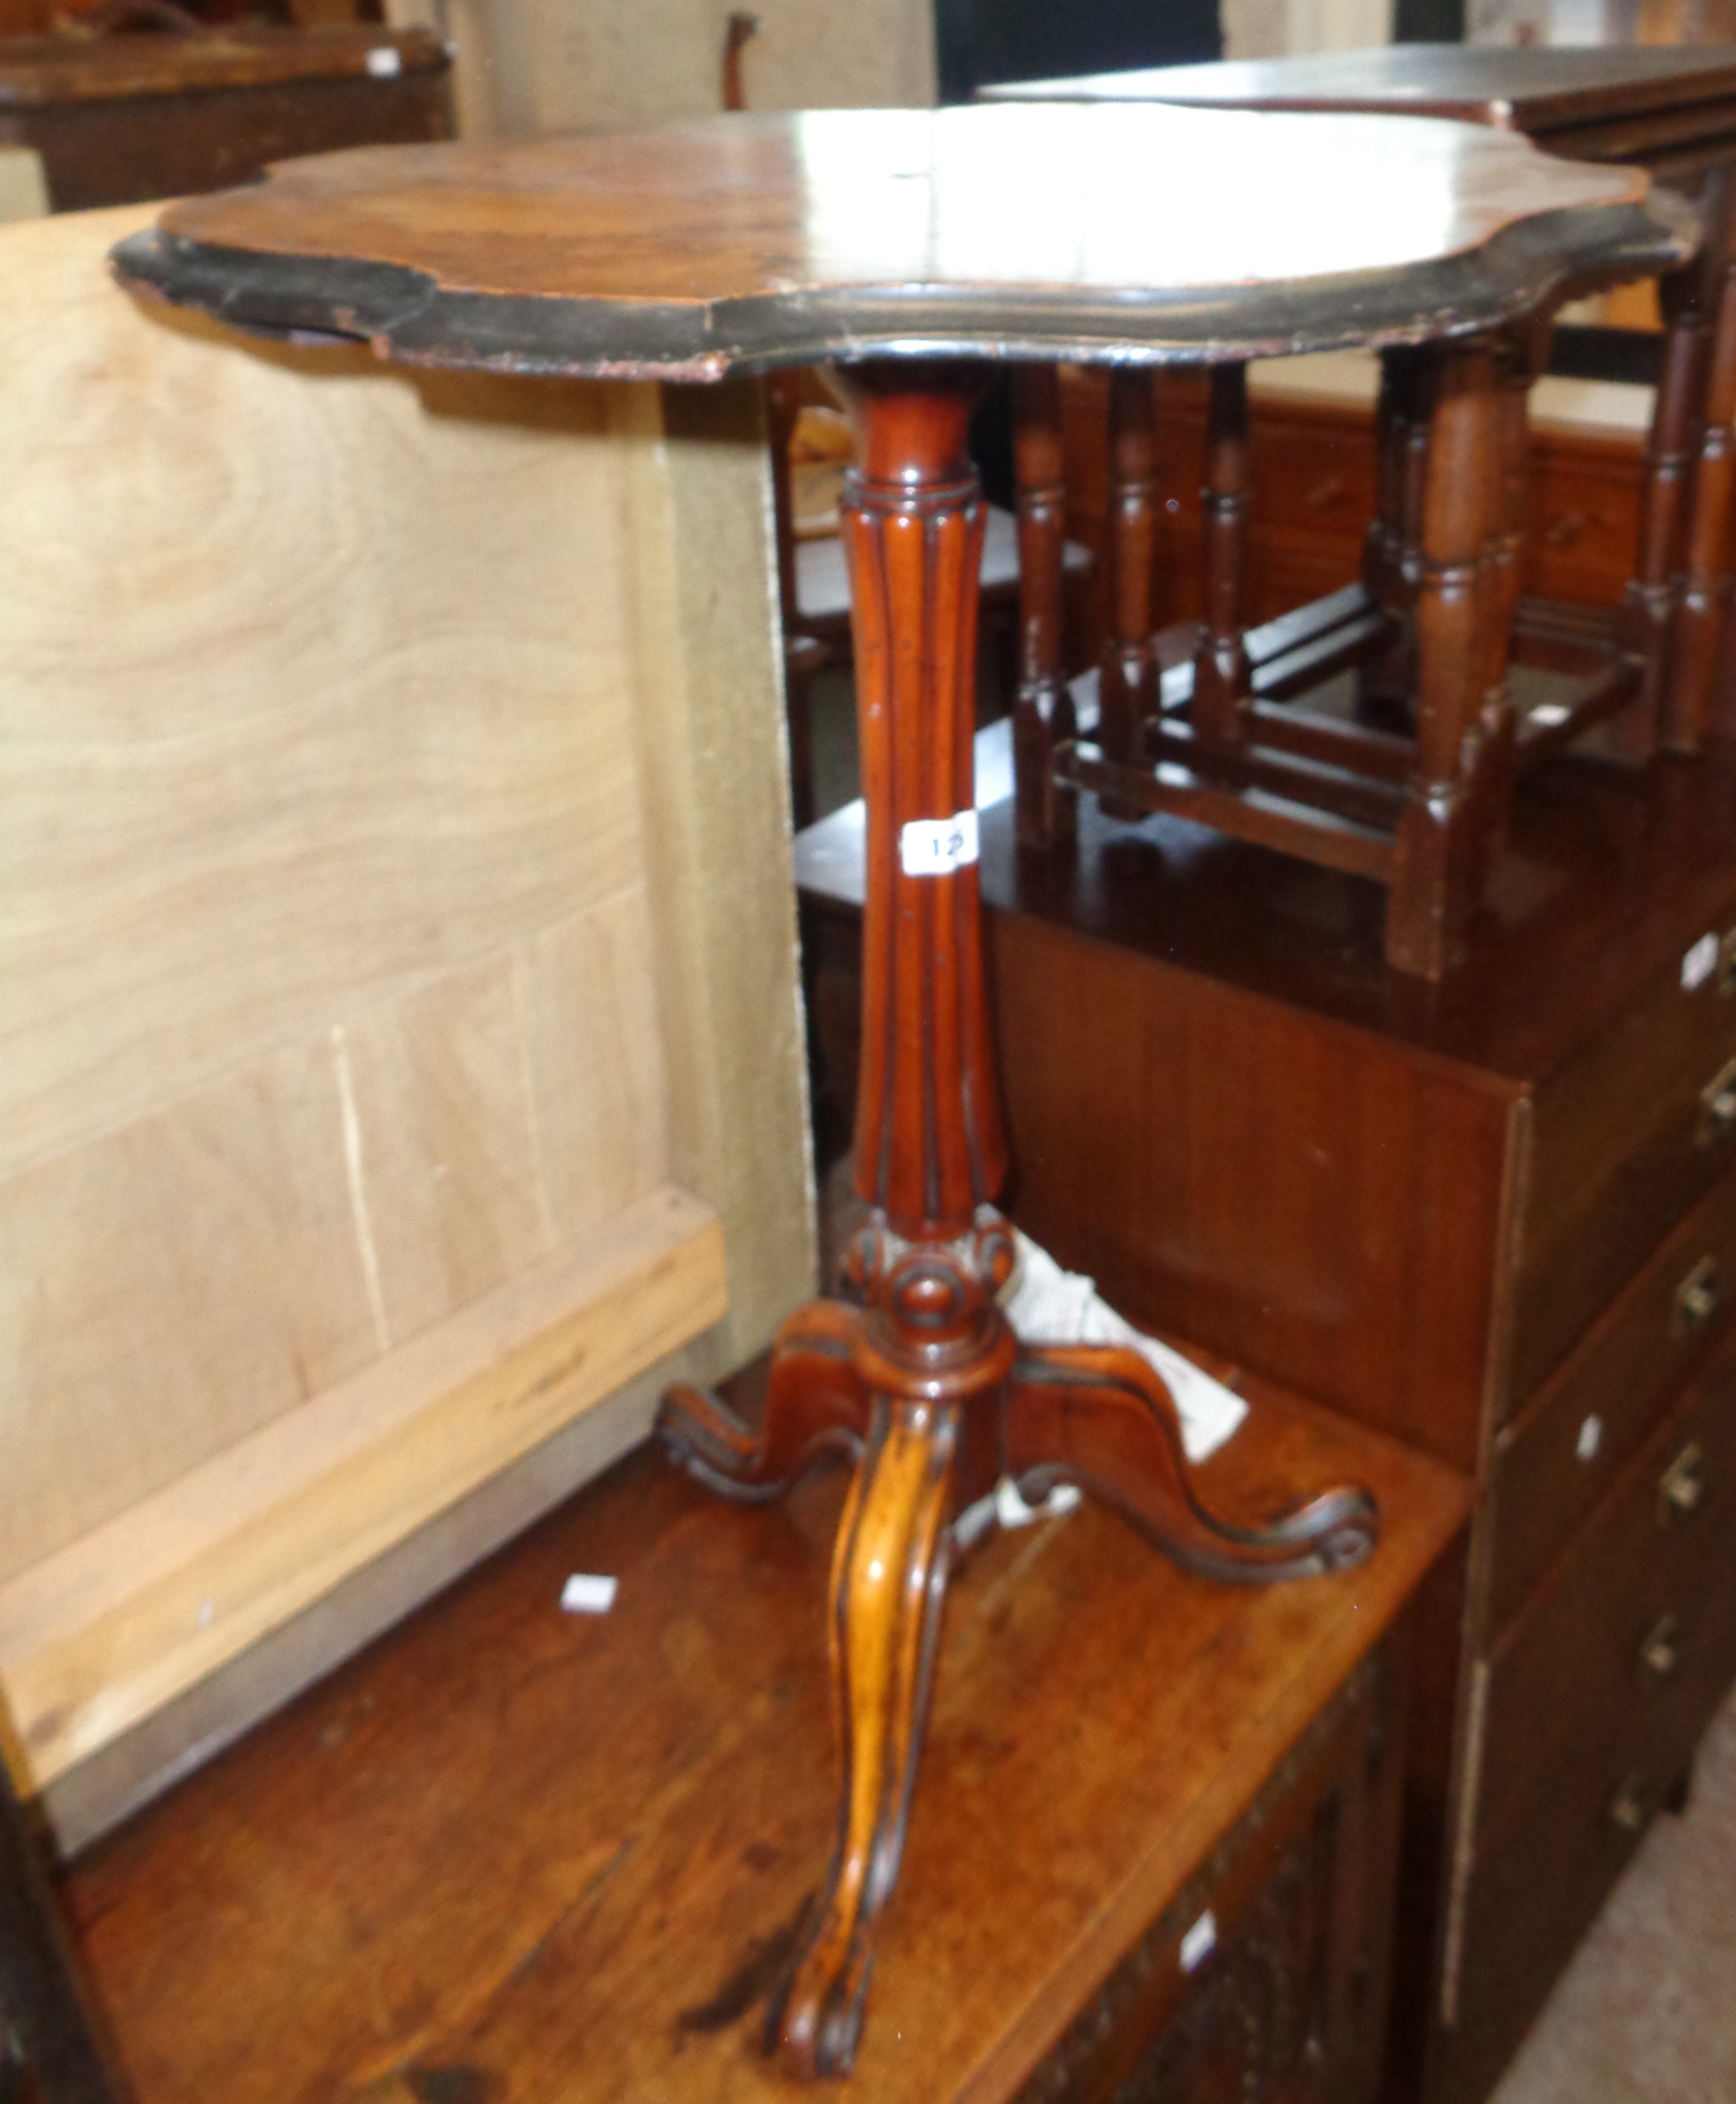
1047 1305
1699 961
586 1594
1199 1942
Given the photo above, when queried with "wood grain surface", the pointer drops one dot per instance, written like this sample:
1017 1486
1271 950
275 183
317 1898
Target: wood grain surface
693 249
515 1853
361 964
56 70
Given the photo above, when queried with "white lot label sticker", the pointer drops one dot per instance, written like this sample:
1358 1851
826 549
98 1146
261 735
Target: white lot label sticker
1700 962
588 1592
1199 1942
935 847
383 62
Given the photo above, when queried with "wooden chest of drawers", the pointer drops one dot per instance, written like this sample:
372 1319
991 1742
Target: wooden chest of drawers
1498 1217
121 119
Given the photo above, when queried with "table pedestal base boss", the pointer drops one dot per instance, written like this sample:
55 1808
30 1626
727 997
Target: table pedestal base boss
908 246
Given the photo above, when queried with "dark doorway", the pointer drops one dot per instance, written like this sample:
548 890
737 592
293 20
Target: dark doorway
979 40
1428 22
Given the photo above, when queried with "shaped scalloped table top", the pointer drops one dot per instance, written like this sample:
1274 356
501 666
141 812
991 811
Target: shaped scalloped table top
737 243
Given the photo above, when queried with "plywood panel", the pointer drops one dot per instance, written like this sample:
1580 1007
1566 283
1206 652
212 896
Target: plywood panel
589 1007
315 680
166 1288
446 1145
397 905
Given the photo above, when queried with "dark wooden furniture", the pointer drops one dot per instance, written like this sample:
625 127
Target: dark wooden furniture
1671 110
1407 783
1313 471
51 2035
1499 1218
121 119
509 1853
903 241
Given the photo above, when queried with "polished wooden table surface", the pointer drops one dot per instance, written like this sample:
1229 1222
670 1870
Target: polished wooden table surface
690 251
909 247
509 1853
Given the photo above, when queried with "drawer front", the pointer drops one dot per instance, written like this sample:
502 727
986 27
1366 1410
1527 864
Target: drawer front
1553 1463
1313 478
1596 1704
1624 1139
1577 1663
1584 511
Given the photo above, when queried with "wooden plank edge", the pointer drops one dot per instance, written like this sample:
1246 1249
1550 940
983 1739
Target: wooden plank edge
102 1634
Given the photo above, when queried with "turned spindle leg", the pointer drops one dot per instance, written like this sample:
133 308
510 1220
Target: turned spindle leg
1518 358
1221 690
1128 688
1437 867
1650 605
1045 810
1393 554
1688 702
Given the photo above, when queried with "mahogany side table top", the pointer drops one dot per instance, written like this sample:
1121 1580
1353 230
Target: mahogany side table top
909 248
690 251
510 1853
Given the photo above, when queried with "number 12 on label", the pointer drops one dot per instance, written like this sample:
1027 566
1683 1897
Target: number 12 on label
935 847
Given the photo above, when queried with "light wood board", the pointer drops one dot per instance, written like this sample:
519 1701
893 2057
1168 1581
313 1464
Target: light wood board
347 914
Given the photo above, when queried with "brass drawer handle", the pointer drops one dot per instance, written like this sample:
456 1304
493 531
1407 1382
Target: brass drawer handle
1681 1489
1661 1654
1717 1107
1697 1299
1628 1809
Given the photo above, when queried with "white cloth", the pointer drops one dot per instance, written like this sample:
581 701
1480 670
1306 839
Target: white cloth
1047 1305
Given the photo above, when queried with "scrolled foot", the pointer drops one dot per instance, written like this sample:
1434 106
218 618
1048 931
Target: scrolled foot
815 1405
1103 1420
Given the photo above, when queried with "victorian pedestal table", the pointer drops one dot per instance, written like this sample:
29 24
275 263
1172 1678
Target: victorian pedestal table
908 247
1668 109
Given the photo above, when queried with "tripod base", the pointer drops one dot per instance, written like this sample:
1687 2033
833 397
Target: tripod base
925 1445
